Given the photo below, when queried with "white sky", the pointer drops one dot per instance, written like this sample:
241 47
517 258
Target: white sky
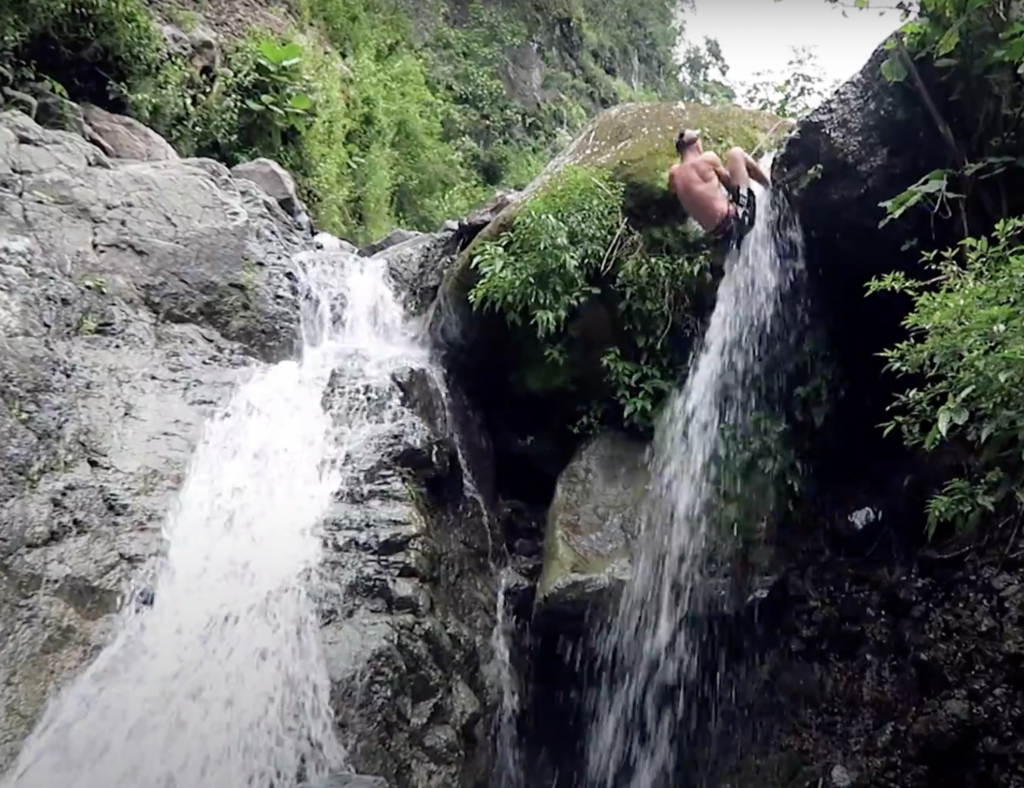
756 34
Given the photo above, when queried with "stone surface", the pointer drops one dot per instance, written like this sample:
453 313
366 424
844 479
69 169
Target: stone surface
591 523
132 297
394 238
864 145
274 179
126 137
406 636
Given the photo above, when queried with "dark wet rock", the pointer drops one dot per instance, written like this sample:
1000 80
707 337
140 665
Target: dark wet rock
591 523
132 296
866 144
928 653
406 634
417 265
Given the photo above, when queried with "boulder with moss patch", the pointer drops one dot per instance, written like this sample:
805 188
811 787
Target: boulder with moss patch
578 305
635 142
592 521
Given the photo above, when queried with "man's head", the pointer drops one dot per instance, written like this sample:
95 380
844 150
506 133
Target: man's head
688 141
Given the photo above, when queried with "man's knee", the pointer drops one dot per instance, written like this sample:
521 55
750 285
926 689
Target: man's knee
736 155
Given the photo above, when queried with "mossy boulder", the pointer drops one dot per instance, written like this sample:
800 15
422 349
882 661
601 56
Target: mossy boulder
576 308
591 523
635 142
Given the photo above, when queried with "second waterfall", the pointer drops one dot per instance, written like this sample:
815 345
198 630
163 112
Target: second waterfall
649 649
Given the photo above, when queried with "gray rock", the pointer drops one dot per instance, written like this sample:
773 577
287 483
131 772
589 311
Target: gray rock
417 266
273 179
206 51
132 296
592 521
126 137
409 627
839 777
393 238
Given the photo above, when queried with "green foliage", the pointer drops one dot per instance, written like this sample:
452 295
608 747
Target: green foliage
81 38
704 74
976 47
388 113
793 91
966 355
758 475
571 247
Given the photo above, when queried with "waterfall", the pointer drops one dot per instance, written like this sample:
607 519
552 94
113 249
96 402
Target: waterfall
508 767
221 683
649 648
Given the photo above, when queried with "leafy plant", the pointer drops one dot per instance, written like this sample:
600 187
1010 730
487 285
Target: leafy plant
790 92
965 353
570 247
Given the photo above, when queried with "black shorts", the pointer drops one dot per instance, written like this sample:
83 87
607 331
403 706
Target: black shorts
740 220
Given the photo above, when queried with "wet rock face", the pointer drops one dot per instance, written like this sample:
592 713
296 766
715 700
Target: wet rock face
900 675
406 626
132 296
869 142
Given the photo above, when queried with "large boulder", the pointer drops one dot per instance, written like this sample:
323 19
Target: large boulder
634 141
131 298
864 145
592 522
126 138
530 402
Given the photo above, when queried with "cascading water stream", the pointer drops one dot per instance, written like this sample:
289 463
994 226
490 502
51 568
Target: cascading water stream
222 684
649 648
508 767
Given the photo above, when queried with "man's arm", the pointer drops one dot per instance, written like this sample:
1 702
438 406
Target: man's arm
756 173
716 164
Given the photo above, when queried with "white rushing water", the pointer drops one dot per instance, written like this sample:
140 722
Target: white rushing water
222 684
641 708
508 766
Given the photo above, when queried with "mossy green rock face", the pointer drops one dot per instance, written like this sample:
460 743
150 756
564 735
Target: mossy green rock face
591 523
636 143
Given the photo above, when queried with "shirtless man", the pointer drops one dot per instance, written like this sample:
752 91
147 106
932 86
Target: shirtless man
698 178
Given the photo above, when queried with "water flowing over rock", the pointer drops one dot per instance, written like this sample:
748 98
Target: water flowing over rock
136 297
118 336
651 648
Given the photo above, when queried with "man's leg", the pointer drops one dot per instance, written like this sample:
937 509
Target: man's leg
736 164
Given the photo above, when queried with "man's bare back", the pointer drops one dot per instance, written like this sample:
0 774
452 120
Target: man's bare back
698 184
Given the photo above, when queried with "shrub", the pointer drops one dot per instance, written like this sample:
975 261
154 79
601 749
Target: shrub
570 246
86 45
965 354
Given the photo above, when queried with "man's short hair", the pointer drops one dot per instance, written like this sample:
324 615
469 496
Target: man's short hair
686 138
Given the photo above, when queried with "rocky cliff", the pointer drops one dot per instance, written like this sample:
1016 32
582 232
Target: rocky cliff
135 295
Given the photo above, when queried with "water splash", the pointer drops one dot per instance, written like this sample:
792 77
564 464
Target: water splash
508 767
650 647
222 683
